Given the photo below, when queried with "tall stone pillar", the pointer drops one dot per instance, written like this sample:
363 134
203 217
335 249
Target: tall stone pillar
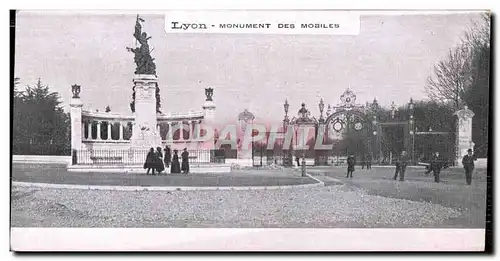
76 118
144 133
463 133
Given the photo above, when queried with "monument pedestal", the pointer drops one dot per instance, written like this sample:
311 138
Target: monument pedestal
464 134
144 133
245 158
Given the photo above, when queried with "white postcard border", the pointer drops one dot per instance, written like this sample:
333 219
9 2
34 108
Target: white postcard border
243 239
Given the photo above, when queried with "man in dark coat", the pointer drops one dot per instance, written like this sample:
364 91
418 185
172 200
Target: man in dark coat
185 161
368 161
401 164
150 161
351 161
363 162
468 163
436 166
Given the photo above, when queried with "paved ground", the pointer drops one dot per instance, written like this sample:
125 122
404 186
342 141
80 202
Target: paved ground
452 191
370 199
58 174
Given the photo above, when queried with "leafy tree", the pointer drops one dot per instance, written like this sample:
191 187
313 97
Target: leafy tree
40 125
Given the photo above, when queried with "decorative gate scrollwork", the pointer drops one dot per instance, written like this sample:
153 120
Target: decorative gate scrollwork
349 118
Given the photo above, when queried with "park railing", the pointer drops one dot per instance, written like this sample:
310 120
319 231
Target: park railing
137 157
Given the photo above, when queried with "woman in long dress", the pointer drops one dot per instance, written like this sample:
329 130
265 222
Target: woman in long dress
168 157
159 161
175 168
150 162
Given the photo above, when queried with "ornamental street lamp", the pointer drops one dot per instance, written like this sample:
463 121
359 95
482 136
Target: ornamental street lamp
285 130
374 107
321 108
411 107
286 106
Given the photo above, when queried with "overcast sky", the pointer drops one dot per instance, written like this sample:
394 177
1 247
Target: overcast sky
390 59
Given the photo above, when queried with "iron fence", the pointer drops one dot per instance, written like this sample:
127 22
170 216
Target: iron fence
137 157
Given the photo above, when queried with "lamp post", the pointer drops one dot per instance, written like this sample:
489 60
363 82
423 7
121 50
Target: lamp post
321 108
320 128
286 106
411 107
374 109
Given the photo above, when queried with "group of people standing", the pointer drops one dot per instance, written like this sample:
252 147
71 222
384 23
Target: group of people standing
156 161
437 163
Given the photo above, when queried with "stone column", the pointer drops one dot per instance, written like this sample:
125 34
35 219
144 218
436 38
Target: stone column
99 130
109 130
181 130
196 130
89 130
83 130
463 133
76 122
120 126
170 133
190 124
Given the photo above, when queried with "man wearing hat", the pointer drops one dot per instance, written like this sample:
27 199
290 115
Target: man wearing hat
185 161
468 163
437 163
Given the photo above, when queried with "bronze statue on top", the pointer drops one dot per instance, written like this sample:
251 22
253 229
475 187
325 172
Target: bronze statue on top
143 60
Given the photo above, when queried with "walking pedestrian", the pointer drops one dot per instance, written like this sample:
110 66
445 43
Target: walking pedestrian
185 161
150 161
401 164
351 161
468 163
298 161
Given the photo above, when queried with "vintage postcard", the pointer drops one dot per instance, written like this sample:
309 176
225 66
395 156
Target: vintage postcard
253 130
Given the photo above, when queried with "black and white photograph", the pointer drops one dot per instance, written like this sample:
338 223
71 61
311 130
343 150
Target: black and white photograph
282 121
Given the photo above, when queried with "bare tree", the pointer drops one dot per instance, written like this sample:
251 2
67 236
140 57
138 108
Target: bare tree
452 76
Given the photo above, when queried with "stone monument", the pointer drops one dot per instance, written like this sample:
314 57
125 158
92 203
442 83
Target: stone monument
464 133
145 133
209 106
76 118
244 153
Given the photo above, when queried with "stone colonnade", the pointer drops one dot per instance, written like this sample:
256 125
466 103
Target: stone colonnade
191 126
